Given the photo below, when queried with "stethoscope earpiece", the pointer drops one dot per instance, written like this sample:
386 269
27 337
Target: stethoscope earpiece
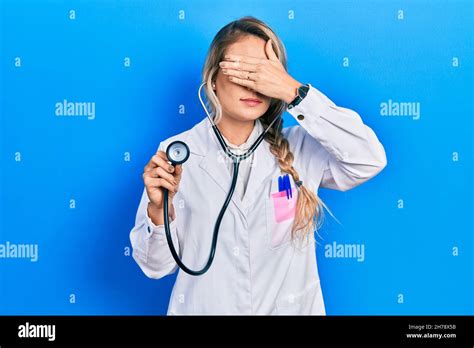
177 152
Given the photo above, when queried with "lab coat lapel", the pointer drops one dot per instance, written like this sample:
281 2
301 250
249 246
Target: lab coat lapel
264 163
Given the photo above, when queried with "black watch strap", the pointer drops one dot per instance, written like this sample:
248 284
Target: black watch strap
301 93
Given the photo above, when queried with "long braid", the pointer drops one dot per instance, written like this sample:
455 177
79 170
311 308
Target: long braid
309 207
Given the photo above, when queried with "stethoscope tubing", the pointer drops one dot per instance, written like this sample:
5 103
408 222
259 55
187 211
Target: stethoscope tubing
216 228
236 159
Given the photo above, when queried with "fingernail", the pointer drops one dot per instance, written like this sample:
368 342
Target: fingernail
170 168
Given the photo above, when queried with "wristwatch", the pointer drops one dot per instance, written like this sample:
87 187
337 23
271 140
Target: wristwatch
302 91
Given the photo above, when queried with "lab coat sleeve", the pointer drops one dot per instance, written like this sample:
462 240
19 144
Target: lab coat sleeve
149 244
335 138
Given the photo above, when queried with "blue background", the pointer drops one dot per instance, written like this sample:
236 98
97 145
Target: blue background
82 251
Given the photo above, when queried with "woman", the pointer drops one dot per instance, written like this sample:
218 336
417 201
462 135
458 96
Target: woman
265 261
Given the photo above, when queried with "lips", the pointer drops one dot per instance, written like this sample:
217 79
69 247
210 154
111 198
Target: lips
251 100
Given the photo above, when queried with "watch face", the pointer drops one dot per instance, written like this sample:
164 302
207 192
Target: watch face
303 90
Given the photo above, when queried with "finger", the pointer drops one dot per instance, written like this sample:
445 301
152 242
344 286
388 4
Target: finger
269 51
161 173
160 183
178 170
241 74
162 154
153 164
158 161
238 65
244 59
247 83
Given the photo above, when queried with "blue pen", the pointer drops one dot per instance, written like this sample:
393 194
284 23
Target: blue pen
285 185
288 185
290 192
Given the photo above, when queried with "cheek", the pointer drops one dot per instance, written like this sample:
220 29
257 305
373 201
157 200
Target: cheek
226 88
228 92
224 82
226 97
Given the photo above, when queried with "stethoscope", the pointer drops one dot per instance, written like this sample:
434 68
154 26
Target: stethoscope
178 153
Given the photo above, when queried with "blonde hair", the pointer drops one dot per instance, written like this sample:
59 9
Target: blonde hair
309 207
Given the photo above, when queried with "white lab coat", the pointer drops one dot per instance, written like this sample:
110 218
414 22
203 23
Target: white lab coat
256 269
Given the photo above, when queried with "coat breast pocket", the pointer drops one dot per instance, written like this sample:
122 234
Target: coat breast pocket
280 212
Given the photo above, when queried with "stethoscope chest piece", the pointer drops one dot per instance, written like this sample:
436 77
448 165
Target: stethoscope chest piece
177 152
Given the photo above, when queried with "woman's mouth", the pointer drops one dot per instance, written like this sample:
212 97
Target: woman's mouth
251 101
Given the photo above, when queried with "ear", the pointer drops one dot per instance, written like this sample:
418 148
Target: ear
269 51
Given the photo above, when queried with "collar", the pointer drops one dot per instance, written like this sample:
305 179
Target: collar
256 131
202 142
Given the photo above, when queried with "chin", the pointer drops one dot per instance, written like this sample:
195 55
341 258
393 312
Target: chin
252 114
250 117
